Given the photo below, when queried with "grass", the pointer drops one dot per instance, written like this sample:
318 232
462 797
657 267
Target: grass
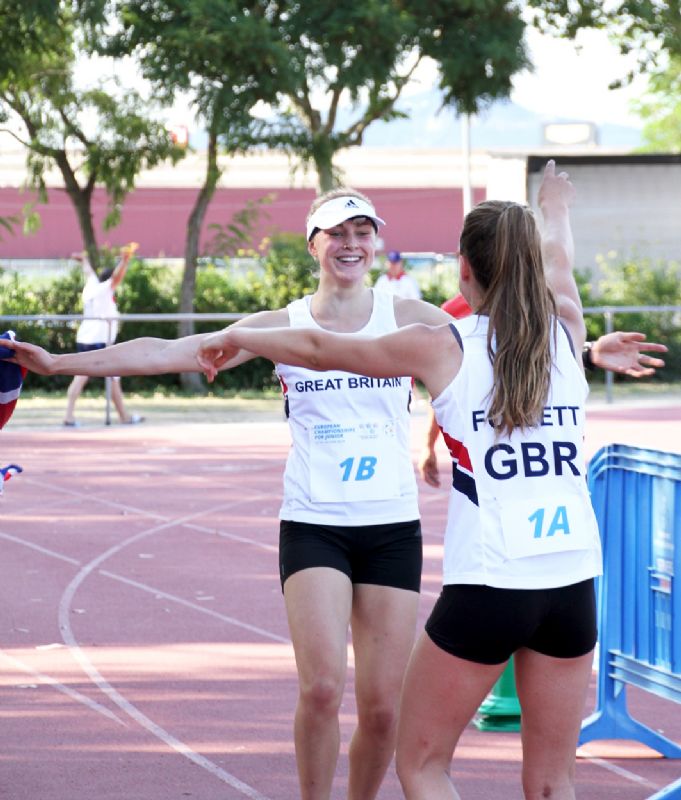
43 409
47 409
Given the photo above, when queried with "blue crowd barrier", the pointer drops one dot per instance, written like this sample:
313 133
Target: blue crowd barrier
636 495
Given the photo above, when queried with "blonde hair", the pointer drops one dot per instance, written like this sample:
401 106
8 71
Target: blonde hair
502 244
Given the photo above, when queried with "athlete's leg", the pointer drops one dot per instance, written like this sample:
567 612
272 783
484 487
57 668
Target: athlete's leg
441 695
383 628
72 394
318 605
118 401
552 693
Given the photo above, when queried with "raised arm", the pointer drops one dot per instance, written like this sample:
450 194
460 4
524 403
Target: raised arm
85 266
556 195
122 266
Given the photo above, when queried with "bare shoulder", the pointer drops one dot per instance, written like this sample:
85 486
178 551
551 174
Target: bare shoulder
266 319
409 311
440 356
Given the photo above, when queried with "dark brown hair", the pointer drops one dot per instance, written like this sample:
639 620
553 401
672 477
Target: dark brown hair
502 244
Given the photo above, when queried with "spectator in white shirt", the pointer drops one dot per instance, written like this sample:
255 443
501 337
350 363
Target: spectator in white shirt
98 329
396 281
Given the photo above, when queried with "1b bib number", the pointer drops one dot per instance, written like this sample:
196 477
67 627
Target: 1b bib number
343 468
363 471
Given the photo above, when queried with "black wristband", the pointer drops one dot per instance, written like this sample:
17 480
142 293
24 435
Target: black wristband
586 357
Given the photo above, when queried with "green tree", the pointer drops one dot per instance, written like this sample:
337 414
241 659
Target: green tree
661 110
94 136
358 57
304 59
310 60
23 25
649 28
221 56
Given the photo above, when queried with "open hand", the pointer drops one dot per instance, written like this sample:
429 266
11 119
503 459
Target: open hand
624 353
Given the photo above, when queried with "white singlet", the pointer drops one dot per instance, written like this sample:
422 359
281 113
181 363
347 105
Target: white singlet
98 301
404 286
520 516
350 459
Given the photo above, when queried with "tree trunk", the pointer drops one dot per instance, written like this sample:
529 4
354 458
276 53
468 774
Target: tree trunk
325 174
192 381
82 202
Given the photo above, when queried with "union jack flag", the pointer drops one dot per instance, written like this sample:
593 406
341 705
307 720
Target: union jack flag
7 472
11 381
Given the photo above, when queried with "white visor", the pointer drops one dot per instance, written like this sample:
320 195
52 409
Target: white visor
335 211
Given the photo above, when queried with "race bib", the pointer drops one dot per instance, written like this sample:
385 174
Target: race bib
353 461
560 524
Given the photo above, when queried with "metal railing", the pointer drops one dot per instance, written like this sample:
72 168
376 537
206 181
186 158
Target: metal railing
78 318
608 313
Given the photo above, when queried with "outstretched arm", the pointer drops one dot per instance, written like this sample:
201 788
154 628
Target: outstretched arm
144 356
415 350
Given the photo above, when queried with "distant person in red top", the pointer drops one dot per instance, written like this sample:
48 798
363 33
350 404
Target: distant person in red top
396 281
456 307
618 352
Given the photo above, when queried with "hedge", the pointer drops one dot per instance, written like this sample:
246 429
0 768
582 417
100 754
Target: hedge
288 272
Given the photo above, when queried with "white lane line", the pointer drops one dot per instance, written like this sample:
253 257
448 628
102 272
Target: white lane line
104 686
623 773
233 537
55 684
94 498
44 550
162 517
173 598
630 776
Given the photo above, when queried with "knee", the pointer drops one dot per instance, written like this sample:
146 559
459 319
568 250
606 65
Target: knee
541 790
408 772
322 696
379 719
404 771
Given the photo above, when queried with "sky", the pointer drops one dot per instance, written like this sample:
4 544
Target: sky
573 83
568 82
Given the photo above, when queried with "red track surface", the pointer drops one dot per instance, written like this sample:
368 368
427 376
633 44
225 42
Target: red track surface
144 652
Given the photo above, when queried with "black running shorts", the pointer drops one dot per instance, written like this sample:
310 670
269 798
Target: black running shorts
386 555
86 348
487 625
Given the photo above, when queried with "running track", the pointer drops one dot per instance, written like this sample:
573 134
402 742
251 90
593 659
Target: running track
144 652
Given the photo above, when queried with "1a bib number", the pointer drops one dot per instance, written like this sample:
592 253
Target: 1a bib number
531 530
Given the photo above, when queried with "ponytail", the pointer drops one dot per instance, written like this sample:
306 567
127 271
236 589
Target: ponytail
502 244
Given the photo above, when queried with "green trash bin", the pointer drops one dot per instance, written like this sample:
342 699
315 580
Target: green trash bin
500 710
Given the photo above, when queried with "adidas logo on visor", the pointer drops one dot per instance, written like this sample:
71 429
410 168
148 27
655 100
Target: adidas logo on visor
337 210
